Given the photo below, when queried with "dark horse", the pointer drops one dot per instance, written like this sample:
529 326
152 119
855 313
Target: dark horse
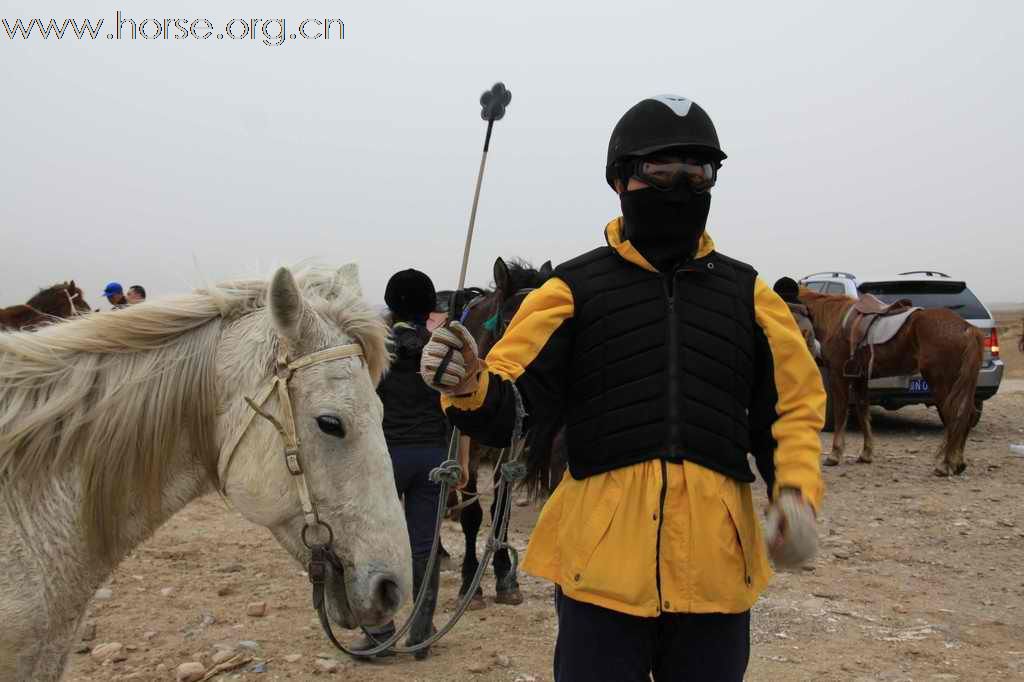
487 317
60 301
945 349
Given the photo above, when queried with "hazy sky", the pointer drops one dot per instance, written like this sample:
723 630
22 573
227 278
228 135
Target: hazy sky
871 137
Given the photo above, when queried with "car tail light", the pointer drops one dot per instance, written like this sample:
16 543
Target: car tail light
992 343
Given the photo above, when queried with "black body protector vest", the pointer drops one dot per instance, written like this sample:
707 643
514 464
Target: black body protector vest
662 365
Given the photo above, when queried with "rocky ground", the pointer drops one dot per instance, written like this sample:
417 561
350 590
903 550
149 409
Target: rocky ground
918 578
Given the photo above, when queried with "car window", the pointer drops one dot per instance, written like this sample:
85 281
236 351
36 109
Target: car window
952 295
835 288
816 286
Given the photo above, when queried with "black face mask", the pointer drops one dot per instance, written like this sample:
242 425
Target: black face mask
665 227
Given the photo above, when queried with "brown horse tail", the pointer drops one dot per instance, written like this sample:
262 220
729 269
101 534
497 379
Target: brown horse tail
960 401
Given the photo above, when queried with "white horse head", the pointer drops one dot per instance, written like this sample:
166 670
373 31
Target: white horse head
112 423
337 416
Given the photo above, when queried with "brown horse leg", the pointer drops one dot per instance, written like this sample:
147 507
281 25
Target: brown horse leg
954 397
863 410
840 412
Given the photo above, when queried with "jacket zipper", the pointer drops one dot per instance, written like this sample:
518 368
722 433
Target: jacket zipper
673 423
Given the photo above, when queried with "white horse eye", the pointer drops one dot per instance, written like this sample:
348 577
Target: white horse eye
332 426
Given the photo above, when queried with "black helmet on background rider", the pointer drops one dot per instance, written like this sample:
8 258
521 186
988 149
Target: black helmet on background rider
410 295
660 123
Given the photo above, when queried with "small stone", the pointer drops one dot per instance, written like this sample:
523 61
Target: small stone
232 568
131 647
148 635
249 644
813 605
88 631
502 660
222 655
225 590
293 658
260 667
193 671
327 665
104 594
525 678
83 649
256 609
108 651
167 592
841 555
479 667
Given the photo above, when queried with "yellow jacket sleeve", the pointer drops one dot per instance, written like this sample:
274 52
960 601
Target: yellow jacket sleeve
789 405
533 354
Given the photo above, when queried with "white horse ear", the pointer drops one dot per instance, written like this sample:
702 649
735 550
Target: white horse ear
286 305
348 278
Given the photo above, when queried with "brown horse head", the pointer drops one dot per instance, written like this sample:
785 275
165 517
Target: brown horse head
61 300
489 315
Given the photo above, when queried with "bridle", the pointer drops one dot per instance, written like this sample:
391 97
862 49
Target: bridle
321 553
72 310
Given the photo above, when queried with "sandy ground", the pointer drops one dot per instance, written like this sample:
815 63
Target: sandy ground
918 578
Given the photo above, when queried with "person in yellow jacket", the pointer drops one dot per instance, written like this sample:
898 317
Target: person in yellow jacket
667 362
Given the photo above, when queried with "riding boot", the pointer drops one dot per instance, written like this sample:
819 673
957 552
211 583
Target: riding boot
380 634
423 625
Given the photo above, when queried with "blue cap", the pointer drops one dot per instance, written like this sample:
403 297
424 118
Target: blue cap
113 288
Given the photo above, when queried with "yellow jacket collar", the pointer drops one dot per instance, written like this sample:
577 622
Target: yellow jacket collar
613 235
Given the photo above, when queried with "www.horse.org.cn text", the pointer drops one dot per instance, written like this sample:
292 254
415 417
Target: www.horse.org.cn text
270 32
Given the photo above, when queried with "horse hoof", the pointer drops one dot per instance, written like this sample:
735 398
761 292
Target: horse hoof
511 597
477 602
831 461
941 471
446 563
960 468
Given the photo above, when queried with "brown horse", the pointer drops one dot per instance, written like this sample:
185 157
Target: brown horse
60 301
945 349
487 317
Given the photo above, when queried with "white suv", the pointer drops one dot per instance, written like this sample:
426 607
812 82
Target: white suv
927 289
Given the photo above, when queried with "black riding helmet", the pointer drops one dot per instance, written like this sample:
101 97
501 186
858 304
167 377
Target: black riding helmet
410 294
662 122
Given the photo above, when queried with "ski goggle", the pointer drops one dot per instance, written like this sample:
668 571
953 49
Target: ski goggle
669 173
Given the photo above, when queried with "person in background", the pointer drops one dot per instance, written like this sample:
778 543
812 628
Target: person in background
136 294
789 291
114 293
417 434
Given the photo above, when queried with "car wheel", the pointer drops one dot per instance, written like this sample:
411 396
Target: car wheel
830 422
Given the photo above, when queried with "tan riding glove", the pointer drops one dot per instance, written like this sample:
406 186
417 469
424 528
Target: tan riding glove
460 376
791 533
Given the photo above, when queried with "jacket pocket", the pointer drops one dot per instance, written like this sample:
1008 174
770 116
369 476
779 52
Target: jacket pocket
743 536
585 524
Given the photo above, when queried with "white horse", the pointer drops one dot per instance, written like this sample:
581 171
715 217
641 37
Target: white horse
112 423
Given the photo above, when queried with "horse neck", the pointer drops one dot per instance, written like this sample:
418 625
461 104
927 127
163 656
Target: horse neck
45 533
827 314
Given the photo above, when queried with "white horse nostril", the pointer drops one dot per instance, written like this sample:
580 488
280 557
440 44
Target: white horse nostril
386 594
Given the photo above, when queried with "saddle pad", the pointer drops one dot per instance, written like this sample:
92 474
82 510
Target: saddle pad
883 328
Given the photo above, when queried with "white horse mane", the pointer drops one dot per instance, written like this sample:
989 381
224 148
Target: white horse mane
108 392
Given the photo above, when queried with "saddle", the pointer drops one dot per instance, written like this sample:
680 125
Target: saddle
865 325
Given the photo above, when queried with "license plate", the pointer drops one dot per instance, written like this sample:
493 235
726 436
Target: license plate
919 385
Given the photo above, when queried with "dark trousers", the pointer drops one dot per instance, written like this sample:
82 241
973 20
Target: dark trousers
412 470
600 644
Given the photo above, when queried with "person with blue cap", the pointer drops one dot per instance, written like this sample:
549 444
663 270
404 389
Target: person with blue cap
114 293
